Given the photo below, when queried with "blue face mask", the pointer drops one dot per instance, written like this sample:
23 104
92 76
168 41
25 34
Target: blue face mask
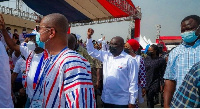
39 43
189 36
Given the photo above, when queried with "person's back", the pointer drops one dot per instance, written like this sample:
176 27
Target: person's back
70 70
5 77
187 96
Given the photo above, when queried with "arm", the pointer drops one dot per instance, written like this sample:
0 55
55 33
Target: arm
13 78
92 51
16 71
11 44
169 89
133 79
170 78
99 73
104 44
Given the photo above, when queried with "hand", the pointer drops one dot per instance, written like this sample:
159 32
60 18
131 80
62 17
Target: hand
2 23
97 85
103 38
13 96
131 106
90 33
22 92
161 88
143 92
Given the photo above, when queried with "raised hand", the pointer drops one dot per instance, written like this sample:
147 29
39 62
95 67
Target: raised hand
90 33
2 23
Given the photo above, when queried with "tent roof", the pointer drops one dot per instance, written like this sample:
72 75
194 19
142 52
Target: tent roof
84 10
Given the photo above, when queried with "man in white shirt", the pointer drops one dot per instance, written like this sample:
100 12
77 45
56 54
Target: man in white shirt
31 52
22 35
5 78
120 73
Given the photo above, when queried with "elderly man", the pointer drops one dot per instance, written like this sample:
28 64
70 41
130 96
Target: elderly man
65 75
120 73
183 57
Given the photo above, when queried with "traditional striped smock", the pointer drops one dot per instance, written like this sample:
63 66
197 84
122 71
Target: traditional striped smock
65 81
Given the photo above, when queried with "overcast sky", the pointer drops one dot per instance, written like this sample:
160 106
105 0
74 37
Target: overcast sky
167 13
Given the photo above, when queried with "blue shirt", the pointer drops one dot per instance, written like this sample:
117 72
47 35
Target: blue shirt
188 94
180 61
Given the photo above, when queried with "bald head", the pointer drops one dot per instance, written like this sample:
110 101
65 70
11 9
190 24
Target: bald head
57 21
116 45
119 40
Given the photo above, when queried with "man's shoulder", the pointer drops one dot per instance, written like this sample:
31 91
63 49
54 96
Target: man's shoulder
195 69
130 58
70 54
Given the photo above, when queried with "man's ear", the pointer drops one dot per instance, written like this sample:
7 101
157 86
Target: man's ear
198 31
53 32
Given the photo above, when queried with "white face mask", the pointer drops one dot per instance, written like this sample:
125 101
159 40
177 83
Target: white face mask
31 45
16 32
9 31
23 31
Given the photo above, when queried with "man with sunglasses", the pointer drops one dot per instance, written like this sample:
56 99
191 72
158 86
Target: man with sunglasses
65 75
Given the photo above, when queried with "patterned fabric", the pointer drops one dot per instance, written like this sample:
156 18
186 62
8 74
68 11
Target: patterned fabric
180 61
188 94
65 81
154 72
142 73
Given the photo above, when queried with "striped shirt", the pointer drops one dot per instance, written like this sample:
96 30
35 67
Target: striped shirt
187 95
180 61
65 81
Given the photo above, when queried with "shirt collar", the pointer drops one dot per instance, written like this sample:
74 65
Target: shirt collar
121 55
195 44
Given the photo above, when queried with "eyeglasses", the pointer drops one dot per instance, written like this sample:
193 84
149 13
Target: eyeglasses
39 27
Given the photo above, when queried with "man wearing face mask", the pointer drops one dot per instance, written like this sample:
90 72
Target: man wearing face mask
9 32
183 57
22 35
131 47
120 73
155 67
32 53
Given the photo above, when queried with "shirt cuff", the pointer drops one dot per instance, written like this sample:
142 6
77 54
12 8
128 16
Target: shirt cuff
132 100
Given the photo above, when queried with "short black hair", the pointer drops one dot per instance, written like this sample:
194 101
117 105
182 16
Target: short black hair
195 17
155 47
74 36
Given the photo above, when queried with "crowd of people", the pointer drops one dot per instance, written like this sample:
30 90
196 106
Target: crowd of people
49 68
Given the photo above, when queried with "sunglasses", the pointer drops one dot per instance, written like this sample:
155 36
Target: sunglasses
39 27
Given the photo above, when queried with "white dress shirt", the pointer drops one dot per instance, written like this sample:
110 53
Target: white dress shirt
20 67
5 78
120 76
33 67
